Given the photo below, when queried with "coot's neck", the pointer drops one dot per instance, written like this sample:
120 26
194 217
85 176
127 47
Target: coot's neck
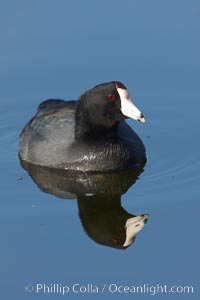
84 130
88 132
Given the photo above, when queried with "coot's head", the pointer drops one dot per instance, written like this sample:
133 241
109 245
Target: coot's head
102 107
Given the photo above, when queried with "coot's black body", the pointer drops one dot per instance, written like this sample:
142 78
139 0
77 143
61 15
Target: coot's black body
85 135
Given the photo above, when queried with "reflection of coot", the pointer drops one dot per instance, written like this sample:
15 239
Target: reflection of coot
99 201
106 222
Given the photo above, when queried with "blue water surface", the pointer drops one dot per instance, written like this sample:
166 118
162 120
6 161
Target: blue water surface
60 49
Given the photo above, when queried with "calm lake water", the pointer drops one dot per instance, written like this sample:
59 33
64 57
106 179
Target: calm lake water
60 49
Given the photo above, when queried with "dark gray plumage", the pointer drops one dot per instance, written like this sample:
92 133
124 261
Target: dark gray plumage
88 135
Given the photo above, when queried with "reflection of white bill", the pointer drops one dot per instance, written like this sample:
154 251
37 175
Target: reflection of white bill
133 226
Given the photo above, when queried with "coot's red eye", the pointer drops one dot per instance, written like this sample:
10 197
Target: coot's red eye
116 240
111 97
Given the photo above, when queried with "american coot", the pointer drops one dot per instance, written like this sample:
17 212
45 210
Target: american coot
88 135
